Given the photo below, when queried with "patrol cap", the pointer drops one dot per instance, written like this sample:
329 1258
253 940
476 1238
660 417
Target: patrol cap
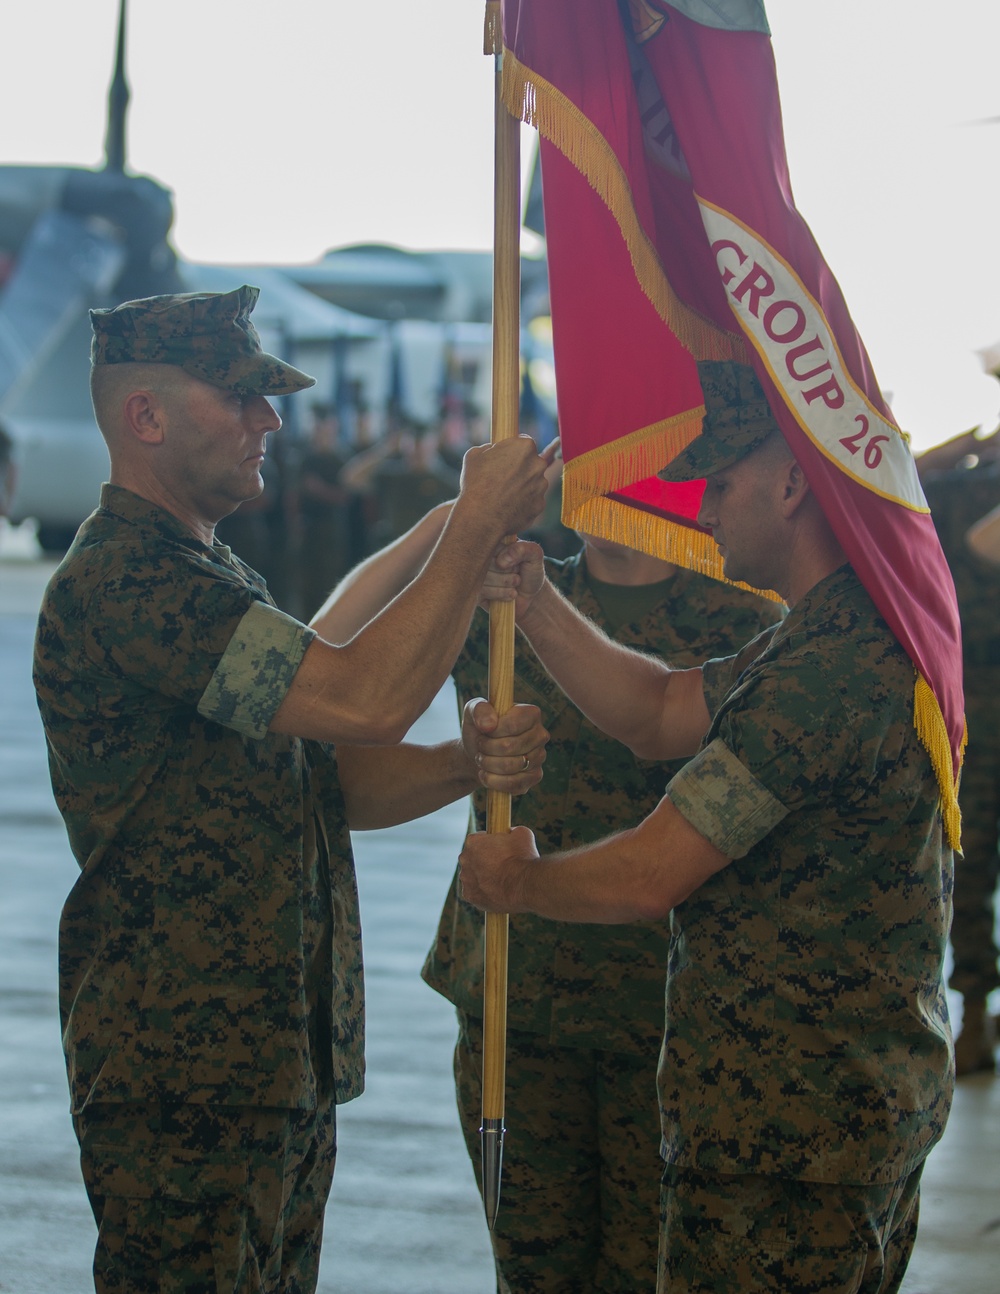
737 420
207 334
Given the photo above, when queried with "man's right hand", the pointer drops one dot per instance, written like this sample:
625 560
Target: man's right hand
517 574
504 481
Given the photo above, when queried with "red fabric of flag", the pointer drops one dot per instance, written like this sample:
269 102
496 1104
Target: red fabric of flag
672 236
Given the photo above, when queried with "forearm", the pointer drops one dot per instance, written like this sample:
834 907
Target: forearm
412 644
384 786
636 875
606 883
984 537
371 689
622 692
943 457
373 583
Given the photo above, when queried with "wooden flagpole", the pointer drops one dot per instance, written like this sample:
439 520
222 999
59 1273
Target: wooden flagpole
506 391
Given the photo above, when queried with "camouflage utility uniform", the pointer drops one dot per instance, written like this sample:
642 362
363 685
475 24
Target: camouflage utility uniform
210 952
957 499
585 1005
806 1070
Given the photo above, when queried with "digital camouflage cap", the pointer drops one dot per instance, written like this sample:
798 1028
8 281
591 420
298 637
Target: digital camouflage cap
737 419
207 334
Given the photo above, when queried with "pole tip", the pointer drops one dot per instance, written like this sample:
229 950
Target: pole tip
491 1136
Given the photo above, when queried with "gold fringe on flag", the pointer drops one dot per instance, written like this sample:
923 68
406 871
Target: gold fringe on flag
929 723
492 32
538 103
650 533
630 458
588 479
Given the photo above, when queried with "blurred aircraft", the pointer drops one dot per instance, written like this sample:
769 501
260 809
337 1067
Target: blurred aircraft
364 320
70 238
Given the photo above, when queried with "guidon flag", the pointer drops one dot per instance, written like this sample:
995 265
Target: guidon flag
672 237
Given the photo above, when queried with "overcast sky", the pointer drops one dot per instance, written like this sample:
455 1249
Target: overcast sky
288 128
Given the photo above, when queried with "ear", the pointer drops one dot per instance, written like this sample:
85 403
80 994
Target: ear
143 415
795 489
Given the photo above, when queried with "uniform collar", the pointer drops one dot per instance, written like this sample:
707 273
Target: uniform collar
137 511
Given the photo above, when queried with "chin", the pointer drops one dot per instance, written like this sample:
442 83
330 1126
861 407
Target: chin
732 571
234 502
753 579
252 489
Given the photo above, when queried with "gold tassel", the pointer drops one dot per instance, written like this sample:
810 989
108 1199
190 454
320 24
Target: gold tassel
492 33
538 103
929 723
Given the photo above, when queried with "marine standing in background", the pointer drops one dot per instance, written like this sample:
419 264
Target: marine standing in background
323 504
211 989
960 493
585 1003
403 476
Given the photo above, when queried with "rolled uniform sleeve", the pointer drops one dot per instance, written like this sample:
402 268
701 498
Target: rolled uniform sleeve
723 800
256 670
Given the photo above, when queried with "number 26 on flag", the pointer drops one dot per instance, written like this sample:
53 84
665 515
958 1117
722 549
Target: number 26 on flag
872 450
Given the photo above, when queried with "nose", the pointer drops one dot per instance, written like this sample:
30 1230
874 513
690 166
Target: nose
265 415
707 513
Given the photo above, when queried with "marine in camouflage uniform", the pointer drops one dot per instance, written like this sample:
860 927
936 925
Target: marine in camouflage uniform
407 486
807 1030
585 1003
958 498
323 506
806 1065
190 975
211 987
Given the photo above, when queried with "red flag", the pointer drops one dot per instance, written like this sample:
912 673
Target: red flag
673 237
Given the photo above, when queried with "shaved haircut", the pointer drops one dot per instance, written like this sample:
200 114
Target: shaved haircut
775 449
111 384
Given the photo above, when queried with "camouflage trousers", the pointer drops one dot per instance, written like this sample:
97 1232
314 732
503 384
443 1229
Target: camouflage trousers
973 923
197 1199
581 1167
762 1235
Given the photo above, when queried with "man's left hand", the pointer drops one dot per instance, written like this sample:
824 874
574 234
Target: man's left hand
508 753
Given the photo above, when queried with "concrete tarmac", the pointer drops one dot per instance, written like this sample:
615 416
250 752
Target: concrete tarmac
404 1214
